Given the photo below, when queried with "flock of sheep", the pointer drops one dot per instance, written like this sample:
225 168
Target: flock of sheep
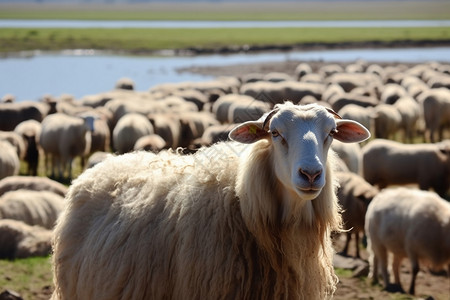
195 214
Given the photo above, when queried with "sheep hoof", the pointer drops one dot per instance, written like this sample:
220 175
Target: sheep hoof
394 288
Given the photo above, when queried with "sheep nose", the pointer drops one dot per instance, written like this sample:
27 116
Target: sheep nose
310 175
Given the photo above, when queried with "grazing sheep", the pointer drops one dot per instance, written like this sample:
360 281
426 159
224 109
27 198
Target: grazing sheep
387 163
277 92
301 70
65 137
12 114
128 130
20 240
221 107
151 142
96 158
436 112
387 121
339 101
9 161
30 131
167 126
391 93
408 223
125 84
15 140
410 112
32 207
233 221
354 195
349 81
360 114
350 154
239 112
13 183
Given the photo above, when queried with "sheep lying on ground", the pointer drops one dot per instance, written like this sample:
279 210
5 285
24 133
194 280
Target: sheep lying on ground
409 223
388 163
19 240
232 221
354 195
32 207
13 183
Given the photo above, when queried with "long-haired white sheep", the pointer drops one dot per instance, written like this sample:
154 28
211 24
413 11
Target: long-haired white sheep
32 207
232 221
408 223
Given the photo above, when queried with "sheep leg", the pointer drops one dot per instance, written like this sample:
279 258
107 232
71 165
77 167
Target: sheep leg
415 270
357 243
348 236
396 270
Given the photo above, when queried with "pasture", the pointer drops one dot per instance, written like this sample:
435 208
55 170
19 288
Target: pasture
301 10
188 102
144 41
386 75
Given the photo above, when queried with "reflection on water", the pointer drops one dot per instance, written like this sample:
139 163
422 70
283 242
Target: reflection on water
87 72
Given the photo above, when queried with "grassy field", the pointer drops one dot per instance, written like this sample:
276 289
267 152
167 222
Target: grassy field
30 277
145 40
302 10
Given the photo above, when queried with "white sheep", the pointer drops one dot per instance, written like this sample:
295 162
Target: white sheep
20 240
128 130
411 112
354 195
407 223
351 155
9 161
65 137
436 112
33 183
232 221
32 207
387 163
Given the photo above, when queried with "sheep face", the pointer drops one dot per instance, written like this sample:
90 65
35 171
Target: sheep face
300 137
301 148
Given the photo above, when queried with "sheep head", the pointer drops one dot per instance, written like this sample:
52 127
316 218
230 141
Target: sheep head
300 136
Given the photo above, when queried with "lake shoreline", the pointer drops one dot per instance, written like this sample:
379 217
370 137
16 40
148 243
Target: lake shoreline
256 49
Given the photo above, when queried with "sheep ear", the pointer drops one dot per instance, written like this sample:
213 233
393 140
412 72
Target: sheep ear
248 132
349 131
252 131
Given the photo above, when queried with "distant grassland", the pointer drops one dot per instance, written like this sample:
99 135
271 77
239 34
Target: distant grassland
301 10
138 40
144 40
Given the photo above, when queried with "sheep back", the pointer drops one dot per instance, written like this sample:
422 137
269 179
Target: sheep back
425 164
31 207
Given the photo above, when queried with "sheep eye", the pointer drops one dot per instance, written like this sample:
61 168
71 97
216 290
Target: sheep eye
275 133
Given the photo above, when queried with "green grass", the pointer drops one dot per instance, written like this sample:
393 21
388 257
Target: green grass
26 276
305 10
143 39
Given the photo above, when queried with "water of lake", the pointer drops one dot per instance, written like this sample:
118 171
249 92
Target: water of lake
87 72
